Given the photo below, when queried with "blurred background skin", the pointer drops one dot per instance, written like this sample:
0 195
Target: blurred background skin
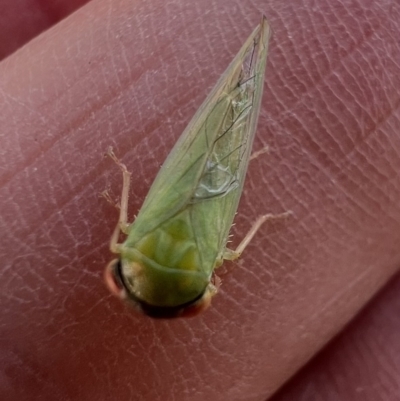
131 74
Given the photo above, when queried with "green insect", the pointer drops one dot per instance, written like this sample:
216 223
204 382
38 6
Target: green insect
179 237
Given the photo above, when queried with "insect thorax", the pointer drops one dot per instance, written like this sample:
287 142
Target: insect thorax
165 267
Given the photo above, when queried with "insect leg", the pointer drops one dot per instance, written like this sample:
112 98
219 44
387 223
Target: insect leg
123 224
260 152
235 254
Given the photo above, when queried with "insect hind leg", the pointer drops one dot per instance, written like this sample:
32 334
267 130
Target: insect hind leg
260 152
230 254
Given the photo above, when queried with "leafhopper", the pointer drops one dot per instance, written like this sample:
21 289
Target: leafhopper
166 263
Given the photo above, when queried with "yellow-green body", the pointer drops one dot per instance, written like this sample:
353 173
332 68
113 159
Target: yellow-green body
180 234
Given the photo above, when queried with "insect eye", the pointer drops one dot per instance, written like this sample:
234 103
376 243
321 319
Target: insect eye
112 277
204 301
199 307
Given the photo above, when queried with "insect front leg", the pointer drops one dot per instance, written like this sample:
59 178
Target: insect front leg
230 254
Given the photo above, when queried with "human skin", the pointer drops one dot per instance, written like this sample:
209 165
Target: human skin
130 75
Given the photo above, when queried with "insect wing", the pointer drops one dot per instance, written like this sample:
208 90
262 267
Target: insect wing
206 168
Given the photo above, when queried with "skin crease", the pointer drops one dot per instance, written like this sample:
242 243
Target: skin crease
131 75
21 20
